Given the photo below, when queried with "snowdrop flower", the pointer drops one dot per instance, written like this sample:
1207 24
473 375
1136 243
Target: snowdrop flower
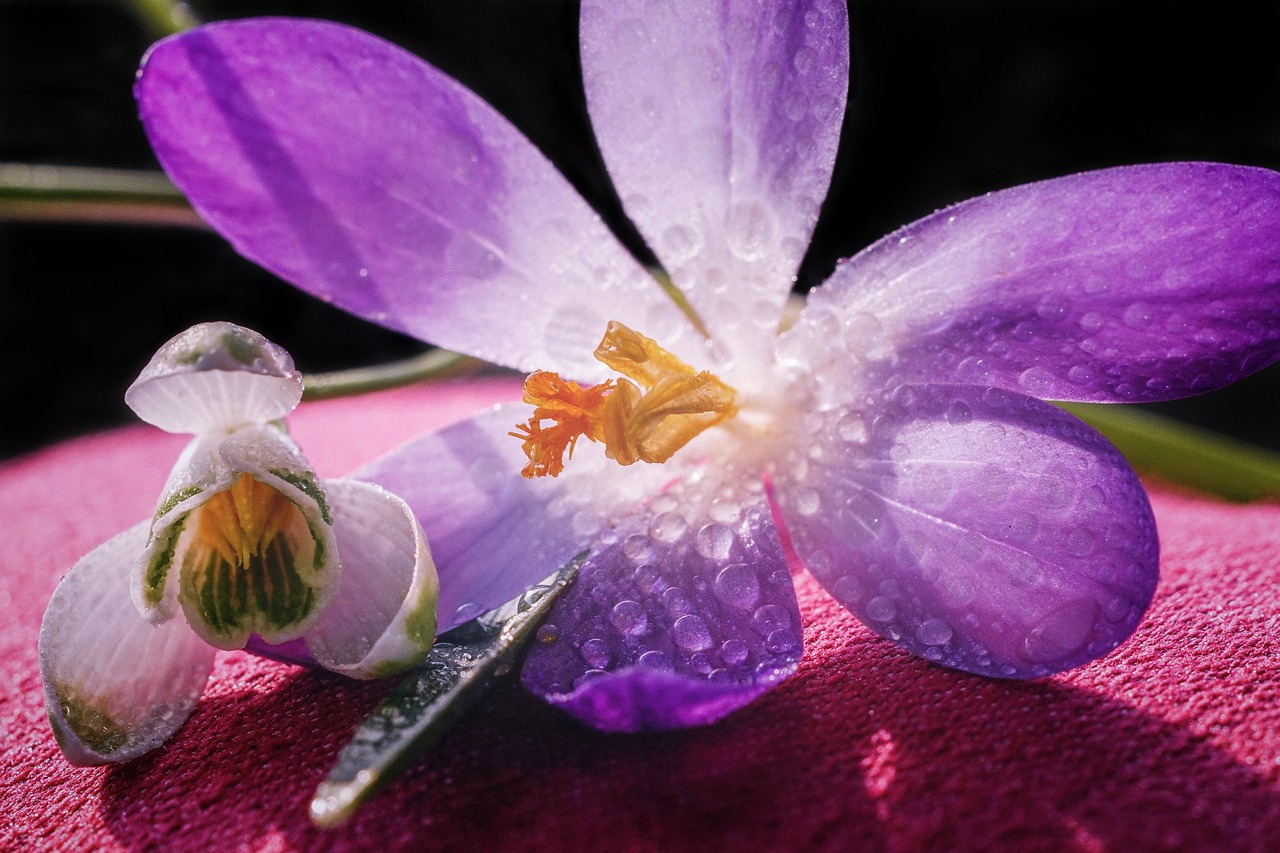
246 548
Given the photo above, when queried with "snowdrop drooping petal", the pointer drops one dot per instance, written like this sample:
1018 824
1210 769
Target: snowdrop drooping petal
215 376
115 685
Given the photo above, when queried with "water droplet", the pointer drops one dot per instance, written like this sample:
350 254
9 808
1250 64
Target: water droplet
466 611
749 230
547 634
680 243
629 618
645 577
724 511
770 618
655 660
596 653
781 641
676 601
881 609
959 413
669 527
638 548
1062 633
738 586
807 501
691 633
933 632
734 651
714 541
852 427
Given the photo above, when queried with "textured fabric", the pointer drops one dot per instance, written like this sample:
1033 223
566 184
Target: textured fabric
1171 741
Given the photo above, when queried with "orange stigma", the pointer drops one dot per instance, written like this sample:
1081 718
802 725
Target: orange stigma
635 426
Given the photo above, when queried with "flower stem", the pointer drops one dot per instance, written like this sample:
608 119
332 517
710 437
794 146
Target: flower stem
1185 454
434 364
164 17
78 194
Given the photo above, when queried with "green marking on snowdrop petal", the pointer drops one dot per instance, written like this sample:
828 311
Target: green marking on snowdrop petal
89 725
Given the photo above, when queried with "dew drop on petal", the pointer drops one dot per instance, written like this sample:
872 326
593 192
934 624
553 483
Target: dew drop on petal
734 651
629 618
780 641
770 618
881 609
852 427
675 601
645 577
724 511
737 586
670 527
807 501
638 548
596 653
691 633
655 660
933 632
714 541
547 634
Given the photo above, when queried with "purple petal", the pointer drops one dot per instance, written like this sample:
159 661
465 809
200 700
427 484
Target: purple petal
493 533
354 170
719 124
681 614
977 528
115 685
1133 284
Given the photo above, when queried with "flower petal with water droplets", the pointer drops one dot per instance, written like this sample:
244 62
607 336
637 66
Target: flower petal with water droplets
383 619
370 179
681 614
721 141
215 376
494 533
980 529
115 685
1123 285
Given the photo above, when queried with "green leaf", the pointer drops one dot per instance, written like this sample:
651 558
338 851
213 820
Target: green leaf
463 665
1184 454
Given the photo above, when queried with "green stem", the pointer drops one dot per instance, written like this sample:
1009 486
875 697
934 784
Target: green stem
164 17
1191 456
75 194
434 364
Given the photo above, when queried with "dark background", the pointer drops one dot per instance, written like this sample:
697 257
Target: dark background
949 99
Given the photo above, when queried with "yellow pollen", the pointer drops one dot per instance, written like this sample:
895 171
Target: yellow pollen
241 521
635 425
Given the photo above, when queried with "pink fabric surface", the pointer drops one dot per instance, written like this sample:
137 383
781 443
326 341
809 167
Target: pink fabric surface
1171 742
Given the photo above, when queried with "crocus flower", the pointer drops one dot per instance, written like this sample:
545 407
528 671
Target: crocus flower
894 434
246 547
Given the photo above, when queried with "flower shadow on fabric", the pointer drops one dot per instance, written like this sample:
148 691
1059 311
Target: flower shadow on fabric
863 747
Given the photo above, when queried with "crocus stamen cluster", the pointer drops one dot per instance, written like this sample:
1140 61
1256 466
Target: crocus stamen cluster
676 405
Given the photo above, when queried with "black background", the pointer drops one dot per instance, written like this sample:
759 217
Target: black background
949 99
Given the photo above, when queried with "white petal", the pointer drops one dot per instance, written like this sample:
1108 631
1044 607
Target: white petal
383 620
115 685
210 467
215 376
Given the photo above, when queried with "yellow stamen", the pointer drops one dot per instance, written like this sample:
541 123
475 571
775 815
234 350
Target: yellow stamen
242 520
635 426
